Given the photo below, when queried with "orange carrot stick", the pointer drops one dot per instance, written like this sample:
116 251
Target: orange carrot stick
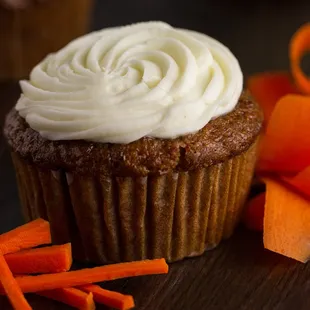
286 222
267 88
254 213
44 282
109 298
299 45
26 236
300 182
52 259
72 297
285 146
11 288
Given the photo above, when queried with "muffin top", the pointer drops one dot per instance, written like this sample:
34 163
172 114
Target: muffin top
221 139
121 84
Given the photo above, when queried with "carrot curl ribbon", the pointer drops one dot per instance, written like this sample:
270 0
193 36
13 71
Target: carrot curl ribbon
299 46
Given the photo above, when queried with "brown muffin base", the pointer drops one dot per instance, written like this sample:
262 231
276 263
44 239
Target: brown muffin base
113 219
222 138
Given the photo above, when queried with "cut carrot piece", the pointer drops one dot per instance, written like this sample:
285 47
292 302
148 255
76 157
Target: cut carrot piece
26 236
300 182
11 288
285 146
267 88
109 298
52 259
44 282
254 213
72 297
299 45
286 222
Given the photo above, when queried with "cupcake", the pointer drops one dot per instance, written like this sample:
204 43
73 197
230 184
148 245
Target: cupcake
136 142
32 33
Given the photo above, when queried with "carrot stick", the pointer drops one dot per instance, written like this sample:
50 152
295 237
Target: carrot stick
26 236
286 222
267 88
11 288
52 259
299 45
285 146
44 282
109 298
72 297
254 213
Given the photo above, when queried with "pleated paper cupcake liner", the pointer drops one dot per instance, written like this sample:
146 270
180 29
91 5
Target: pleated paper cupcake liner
114 219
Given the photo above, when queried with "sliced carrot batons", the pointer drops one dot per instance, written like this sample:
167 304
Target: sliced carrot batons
109 298
72 297
50 259
31 284
26 236
11 287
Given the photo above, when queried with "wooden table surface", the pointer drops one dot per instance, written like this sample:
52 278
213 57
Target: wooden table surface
239 274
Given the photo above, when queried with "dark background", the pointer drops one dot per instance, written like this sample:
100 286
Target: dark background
257 31
239 274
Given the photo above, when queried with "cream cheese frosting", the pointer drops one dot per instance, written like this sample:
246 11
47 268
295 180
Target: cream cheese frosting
120 84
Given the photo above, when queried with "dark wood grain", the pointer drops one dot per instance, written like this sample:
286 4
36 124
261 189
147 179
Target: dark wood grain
239 274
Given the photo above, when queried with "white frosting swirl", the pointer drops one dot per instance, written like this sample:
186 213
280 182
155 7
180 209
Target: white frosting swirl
120 84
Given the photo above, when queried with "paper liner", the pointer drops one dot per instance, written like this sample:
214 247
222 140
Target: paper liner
113 219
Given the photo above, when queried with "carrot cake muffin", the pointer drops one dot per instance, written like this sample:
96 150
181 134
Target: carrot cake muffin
136 142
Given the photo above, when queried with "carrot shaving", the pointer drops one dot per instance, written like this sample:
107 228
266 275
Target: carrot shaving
52 259
286 222
26 236
267 88
299 45
72 297
44 282
109 298
254 213
300 182
285 146
11 287
285 150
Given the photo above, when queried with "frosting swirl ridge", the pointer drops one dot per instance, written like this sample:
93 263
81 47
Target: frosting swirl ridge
120 84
